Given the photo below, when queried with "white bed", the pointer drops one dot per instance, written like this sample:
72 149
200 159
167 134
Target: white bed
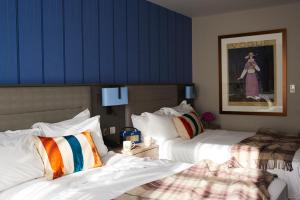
120 174
215 145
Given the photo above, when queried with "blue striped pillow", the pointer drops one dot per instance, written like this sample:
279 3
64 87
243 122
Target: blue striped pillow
67 154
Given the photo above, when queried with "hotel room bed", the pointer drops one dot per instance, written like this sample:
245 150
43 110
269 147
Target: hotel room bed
120 174
215 145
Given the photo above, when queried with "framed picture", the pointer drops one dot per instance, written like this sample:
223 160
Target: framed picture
252 73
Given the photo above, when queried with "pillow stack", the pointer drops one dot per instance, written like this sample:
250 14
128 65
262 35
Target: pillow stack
51 150
70 146
75 126
169 123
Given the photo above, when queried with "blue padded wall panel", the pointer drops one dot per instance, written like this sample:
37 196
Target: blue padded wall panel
106 41
53 41
144 43
73 41
133 41
171 48
179 47
91 41
154 43
8 43
120 41
163 58
30 42
187 49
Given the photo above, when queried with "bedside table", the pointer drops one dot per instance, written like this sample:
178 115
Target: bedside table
140 150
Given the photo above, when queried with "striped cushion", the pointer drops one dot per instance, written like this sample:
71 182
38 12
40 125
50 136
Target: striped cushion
188 125
67 154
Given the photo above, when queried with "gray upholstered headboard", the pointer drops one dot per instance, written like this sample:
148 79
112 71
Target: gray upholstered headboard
149 98
20 107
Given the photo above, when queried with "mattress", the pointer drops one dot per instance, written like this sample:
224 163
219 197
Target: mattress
215 145
120 174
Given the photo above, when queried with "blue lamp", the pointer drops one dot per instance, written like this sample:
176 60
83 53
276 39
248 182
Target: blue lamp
114 96
189 92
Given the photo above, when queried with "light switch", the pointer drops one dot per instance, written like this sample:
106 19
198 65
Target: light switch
292 88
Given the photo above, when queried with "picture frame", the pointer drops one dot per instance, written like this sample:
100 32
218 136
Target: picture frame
252 73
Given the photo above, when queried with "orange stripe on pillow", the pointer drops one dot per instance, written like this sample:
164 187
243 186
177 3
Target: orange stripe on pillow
54 156
187 126
98 162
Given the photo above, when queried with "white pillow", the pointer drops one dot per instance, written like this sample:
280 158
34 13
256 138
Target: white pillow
83 115
159 127
181 109
91 124
67 123
20 161
139 122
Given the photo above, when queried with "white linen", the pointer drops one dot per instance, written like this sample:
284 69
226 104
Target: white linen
19 160
181 109
215 145
80 117
159 127
83 115
140 122
120 174
212 145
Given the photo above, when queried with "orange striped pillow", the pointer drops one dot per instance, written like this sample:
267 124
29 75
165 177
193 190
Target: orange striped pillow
67 154
188 125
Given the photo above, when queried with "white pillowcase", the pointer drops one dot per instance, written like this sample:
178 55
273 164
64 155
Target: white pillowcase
159 127
75 126
84 115
20 161
181 109
139 122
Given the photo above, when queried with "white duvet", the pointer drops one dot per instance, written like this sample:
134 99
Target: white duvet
215 145
120 174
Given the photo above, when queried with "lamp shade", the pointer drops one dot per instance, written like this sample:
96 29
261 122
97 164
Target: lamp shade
189 92
114 96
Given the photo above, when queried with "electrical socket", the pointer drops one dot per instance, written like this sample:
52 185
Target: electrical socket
112 130
292 88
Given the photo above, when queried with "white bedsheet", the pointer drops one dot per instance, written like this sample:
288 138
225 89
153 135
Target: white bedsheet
120 174
215 145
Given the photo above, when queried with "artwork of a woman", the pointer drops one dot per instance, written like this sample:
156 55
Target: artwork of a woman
252 88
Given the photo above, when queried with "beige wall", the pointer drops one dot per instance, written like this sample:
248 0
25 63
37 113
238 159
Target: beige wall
205 62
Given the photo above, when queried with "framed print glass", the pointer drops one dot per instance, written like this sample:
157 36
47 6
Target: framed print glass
252 73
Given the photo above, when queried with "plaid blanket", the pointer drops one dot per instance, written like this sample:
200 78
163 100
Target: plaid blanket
206 180
266 150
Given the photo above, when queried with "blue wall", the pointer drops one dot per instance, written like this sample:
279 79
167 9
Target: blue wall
93 41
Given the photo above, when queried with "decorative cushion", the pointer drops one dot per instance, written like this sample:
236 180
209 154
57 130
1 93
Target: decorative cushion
67 154
75 127
188 125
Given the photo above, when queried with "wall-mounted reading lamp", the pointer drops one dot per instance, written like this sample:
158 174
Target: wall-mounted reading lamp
114 96
189 92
